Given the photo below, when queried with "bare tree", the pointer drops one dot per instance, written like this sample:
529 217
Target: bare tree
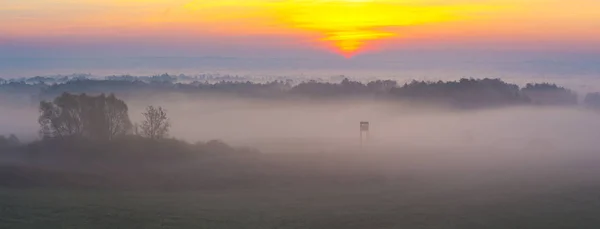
156 124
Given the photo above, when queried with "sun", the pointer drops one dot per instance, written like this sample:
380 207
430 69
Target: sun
349 25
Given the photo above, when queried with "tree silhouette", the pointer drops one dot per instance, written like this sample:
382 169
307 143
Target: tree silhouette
463 93
467 93
97 117
156 124
549 94
117 117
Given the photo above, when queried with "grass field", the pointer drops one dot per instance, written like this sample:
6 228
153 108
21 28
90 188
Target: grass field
516 205
311 191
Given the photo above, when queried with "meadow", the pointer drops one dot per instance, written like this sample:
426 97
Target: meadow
381 207
524 196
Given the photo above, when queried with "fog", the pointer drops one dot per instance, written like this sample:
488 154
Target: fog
418 159
523 141
394 125
325 134
283 126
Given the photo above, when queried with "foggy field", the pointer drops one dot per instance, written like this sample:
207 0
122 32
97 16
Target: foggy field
297 162
283 126
301 126
343 190
450 202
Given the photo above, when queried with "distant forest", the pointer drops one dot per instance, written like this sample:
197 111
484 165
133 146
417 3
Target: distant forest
463 93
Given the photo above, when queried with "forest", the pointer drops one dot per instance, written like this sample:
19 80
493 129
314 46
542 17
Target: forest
463 93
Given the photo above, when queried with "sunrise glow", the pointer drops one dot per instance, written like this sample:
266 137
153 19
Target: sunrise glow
347 27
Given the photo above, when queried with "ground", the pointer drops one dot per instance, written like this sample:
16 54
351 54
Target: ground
482 205
316 191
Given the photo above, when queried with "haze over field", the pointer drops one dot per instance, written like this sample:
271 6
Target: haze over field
517 159
274 124
223 114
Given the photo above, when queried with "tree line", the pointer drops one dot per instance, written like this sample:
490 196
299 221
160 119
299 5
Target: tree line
462 93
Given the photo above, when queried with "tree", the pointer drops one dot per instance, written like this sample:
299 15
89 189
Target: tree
550 94
62 117
96 117
156 124
117 117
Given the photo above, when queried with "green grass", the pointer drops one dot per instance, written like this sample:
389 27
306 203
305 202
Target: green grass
382 206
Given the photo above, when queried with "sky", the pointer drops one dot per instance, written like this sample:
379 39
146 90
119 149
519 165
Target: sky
297 28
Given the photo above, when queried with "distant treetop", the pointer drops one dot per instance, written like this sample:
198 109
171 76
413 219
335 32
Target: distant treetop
463 93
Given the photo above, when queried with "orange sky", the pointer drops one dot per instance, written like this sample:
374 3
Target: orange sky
347 27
